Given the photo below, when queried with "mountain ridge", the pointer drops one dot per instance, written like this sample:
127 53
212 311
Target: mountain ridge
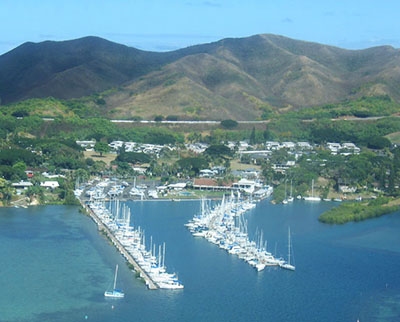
238 78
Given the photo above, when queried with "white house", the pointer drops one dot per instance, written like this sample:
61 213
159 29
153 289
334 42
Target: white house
334 147
22 184
272 145
245 185
115 145
351 146
50 184
177 186
87 145
207 173
288 145
304 146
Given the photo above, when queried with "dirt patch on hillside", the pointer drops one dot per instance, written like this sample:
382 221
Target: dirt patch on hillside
106 158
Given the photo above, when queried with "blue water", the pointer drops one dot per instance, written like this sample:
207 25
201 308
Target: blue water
55 266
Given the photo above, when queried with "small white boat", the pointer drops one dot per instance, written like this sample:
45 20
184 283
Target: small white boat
170 284
115 293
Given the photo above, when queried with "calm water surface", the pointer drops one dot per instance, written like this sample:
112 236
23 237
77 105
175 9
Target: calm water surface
55 266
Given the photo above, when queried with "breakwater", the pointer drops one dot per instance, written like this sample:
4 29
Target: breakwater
103 228
130 242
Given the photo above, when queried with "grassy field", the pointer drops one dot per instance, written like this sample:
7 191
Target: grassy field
236 165
106 158
394 138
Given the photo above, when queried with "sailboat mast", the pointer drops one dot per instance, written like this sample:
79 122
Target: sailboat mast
312 188
289 247
163 259
291 188
115 276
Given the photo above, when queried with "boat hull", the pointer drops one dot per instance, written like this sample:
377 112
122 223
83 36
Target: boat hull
114 294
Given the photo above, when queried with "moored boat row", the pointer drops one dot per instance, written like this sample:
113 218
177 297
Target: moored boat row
218 226
117 219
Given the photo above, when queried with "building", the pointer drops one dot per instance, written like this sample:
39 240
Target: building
22 185
87 145
209 184
245 185
50 184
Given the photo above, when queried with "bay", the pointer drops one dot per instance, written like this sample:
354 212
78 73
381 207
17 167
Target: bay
56 265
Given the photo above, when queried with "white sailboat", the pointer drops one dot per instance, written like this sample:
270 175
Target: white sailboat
312 198
288 265
290 199
115 293
285 201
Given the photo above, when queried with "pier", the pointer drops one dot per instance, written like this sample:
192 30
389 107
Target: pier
101 227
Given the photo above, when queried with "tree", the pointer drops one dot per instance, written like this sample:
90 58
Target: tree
101 147
34 191
158 118
229 124
218 150
98 167
194 137
192 164
378 142
133 157
172 118
6 191
252 139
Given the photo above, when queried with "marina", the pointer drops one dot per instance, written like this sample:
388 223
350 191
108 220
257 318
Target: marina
114 222
224 226
71 265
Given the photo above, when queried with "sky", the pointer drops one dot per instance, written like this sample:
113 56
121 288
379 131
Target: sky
164 25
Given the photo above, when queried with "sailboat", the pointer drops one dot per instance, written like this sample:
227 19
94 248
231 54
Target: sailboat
312 198
288 265
115 293
290 199
285 201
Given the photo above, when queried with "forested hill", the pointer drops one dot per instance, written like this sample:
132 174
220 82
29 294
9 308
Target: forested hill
239 78
70 69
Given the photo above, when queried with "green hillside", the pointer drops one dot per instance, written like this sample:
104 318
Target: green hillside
244 79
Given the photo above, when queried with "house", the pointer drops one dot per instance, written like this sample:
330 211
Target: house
245 185
288 145
87 145
272 145
206 173
304 146
29 174
344 148
243 146
52 176
115 145
50 184
177 186
334 147
351 147
197 147
282 167
22 184
347 189
219 169
139 170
